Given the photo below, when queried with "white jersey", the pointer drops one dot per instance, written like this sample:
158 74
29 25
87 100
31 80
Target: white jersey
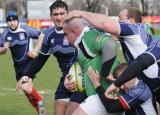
134 41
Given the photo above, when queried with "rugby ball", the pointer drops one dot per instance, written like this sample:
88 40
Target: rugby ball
75 74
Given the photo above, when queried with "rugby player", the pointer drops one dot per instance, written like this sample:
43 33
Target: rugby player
137 97
148 59
96 49
56 43
132 35
17 37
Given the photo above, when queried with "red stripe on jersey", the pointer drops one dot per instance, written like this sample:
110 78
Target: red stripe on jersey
98 37
123 102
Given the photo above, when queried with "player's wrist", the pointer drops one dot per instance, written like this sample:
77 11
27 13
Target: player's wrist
113 84
116 84
37 51
97 85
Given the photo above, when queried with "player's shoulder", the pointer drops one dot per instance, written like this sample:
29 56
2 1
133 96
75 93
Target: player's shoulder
49 32
5 32
94 33
133 27
24 27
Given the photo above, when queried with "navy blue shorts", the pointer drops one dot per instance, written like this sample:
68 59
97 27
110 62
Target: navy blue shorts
20 69
62 93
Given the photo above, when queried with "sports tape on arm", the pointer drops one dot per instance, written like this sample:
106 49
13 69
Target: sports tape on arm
109 53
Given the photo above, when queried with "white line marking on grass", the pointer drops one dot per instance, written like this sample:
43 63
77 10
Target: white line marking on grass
14 90
8 89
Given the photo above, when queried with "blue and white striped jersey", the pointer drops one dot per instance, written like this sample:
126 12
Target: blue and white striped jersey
19 42
154 51
138 100
134 41
56 43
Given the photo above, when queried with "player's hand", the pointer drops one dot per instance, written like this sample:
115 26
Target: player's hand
70 85
73 14
32 54
110 78
23 79
3 49
6 45
112 91
94 76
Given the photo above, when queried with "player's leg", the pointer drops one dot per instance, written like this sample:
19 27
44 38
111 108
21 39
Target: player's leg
79 111
30 92
62 97
71 107
76 98
32 101
33 96
60 106
36 98
26 87
91 106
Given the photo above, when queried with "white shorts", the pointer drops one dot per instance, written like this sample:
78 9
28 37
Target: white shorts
93 106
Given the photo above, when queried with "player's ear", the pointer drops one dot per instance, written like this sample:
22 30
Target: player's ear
77 32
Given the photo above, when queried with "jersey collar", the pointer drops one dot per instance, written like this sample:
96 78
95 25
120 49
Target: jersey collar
81 36
59 31
19 29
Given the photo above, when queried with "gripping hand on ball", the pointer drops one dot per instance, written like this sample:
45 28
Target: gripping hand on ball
70 85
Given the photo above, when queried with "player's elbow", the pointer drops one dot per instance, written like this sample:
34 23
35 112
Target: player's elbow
145 60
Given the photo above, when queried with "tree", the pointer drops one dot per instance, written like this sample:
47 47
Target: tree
20 6
88 5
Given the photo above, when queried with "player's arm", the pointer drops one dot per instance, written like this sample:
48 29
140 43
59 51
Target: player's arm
39 41
38 62
111 105
103 23
34 34
109 53
4 44
138 65
35 52
4 48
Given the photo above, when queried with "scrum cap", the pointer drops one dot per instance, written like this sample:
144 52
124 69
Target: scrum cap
11 15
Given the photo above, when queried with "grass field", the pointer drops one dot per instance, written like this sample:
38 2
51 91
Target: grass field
14 102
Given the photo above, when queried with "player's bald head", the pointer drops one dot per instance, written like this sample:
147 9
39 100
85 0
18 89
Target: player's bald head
73 28
123 15
75 23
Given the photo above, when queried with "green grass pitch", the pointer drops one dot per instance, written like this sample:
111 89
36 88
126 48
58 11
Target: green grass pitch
14 102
